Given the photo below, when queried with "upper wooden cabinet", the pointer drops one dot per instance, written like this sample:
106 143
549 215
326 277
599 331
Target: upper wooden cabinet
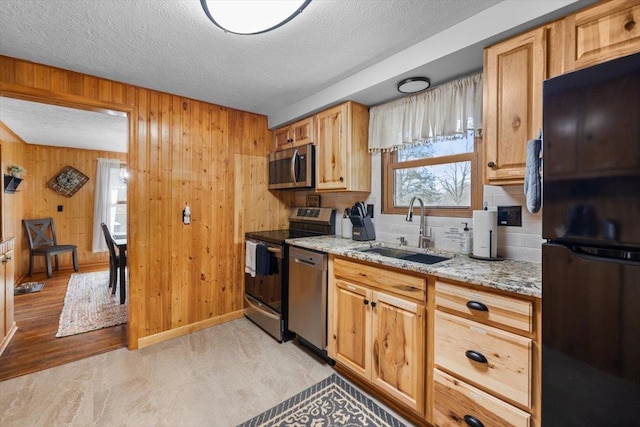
605 31
512 104
343 162
294 135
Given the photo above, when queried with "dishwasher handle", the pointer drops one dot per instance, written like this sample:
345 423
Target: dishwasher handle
307 258
308 263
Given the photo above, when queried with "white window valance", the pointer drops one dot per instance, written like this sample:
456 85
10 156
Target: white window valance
450 109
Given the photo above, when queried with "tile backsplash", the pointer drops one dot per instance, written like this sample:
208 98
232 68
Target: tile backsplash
521 243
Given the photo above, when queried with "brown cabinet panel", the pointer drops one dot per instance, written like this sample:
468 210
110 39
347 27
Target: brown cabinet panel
350 329
514 71
398 348
455 400
506 370
606 31
500 310
384 279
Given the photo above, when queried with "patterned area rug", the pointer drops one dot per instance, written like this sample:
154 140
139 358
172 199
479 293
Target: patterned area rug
331 402
89 305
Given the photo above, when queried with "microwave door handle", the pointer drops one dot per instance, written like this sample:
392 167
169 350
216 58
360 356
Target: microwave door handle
294 158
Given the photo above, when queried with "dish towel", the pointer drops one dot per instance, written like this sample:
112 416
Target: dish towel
532 179
263 260
250 258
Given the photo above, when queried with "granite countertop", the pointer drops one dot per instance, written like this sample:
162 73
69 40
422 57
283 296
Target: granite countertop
520 277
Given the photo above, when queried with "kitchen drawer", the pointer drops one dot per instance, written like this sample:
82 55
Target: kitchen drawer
500 310
455 400
384 279
505 368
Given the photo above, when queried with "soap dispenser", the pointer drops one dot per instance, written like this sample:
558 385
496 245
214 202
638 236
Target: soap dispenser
465 240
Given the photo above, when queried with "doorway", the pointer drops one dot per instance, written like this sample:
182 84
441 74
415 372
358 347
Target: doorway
64 122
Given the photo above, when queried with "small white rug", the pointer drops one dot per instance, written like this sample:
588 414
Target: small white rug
89 304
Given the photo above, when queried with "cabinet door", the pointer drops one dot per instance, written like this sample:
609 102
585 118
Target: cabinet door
3 296
514 71
9 272
331 153
351 328
281 139
606 31
398 349
302 132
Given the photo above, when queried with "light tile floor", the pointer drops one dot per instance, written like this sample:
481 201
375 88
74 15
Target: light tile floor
220 376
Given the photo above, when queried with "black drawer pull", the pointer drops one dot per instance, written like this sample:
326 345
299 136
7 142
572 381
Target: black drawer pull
366 302
475 356
476 305
373 304
472 421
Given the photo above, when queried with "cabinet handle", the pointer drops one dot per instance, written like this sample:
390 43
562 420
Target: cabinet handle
491 164
477 305
472 421
373 304
366 302
341 179
475 356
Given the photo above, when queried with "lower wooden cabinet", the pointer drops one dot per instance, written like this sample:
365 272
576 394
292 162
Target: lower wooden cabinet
381 338
7 271
487 356
460 404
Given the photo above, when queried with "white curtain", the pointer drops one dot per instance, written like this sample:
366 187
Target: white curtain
447 110
102 200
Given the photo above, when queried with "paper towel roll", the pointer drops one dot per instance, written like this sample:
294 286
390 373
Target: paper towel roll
485 234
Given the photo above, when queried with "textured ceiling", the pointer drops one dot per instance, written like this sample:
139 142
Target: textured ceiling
171 46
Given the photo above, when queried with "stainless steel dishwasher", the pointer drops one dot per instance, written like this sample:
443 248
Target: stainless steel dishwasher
308 298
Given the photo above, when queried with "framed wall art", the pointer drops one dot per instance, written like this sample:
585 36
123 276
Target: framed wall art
68 181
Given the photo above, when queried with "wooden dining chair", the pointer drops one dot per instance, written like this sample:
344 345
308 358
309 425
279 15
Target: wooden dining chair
43 242
113 258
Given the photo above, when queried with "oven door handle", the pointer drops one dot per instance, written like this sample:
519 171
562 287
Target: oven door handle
261 309
277 252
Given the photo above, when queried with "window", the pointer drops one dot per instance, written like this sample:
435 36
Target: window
117 221
442 171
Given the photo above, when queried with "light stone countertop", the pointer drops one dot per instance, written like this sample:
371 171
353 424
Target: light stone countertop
520 277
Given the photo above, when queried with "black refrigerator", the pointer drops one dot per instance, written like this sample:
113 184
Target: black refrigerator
591 258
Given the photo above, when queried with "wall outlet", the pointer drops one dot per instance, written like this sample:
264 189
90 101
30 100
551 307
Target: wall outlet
510 216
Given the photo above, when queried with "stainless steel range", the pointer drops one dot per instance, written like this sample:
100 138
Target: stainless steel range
266 276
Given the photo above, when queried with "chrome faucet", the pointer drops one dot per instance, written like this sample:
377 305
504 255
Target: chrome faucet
422 239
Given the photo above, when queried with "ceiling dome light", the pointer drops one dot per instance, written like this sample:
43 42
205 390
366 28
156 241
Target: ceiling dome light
414 85
252 16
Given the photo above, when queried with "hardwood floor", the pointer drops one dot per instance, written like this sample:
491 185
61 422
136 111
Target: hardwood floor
35 347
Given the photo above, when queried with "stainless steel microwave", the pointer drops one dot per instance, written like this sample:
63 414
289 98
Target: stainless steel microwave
292 168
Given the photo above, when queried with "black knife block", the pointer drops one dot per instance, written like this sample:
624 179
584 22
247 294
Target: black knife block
362 228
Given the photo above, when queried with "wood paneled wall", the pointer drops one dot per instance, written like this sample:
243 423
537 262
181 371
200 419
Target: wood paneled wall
181 277
74 225
12 151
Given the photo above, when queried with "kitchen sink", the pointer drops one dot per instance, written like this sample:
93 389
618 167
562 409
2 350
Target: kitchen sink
405 255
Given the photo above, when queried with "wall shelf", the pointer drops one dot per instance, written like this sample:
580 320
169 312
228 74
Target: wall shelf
11 183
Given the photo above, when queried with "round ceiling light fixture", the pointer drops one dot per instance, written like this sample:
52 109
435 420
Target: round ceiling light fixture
252 16
414 85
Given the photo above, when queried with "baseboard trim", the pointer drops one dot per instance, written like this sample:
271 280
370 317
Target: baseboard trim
7 338
187 329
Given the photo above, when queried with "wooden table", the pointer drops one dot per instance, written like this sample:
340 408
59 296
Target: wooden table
121 244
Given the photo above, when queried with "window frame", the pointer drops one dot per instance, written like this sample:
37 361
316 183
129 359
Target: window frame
389 165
